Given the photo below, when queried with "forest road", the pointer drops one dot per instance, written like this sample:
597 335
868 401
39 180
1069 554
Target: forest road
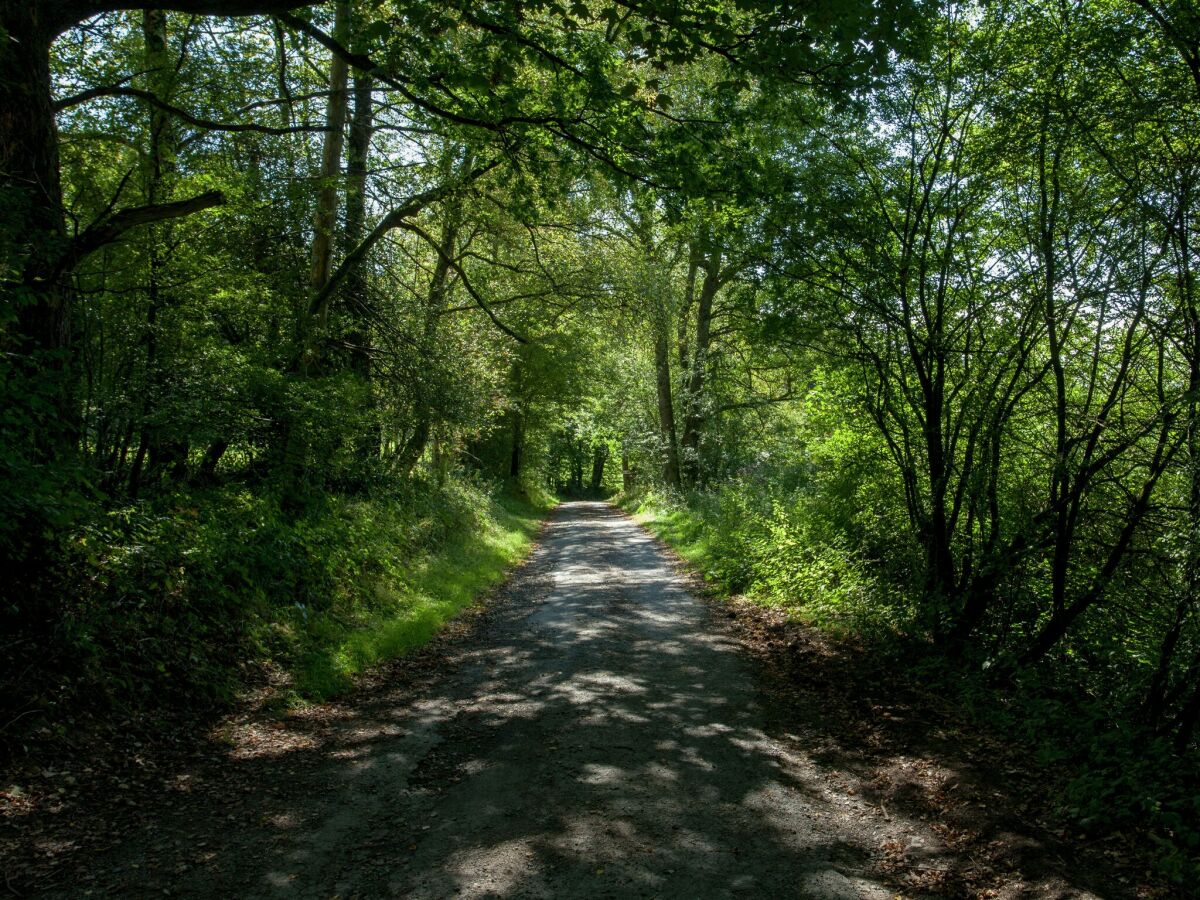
600 735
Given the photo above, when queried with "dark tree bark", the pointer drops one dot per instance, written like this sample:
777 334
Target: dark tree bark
577 454
1154 706
32 228
1189 718
325 220
358 302
666 409
312 321
435 305
514 460
694 406
599 457
206 472
1060 622
167 455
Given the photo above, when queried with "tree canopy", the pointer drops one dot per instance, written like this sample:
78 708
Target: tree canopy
896 297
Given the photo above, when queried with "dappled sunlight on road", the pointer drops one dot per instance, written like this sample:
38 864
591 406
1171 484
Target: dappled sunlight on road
603 741
600 737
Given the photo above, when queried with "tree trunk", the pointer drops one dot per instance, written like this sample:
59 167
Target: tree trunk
1188 719
666 409
1057 626
577 468
295 442
514 461
694 415
414 448
165 455
435 304
1190 600
355 288
689 298
599 456
206 472
1155 703
358 305
940 574
33 233
325 220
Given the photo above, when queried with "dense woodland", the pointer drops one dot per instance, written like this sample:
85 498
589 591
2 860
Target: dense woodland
889 308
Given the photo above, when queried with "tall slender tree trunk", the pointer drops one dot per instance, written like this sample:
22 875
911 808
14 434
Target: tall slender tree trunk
1155 705
295 441
599 458
577 455
666 408
941 575
1191 587
325 220
1189 717
518 439
435 306
164 453
694 401
682 337
359 305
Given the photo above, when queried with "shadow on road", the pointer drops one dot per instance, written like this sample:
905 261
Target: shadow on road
596 737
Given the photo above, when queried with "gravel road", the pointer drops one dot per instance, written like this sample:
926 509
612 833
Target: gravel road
600 735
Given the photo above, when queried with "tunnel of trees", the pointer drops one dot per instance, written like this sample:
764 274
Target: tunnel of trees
894 300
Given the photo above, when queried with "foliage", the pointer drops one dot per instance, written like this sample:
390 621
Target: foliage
887 311
176 603
772 549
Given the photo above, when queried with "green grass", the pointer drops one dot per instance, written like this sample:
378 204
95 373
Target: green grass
412 604
179 603
677 524
773 553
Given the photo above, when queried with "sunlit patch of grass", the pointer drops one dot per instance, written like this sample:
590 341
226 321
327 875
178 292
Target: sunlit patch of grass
411 602
676 524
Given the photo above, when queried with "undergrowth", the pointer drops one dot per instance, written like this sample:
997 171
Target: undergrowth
774 553
162 607
1107 777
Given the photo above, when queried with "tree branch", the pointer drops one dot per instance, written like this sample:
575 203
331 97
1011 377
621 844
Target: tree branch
111 228
364 63
391 221
453 263
182 114
66 14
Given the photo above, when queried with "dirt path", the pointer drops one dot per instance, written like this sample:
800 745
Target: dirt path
598 736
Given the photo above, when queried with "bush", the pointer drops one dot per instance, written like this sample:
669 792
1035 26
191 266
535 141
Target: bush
771 548
175 604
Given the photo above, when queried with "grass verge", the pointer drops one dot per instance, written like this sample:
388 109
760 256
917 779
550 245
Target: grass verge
168 609
405 607
1095 778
